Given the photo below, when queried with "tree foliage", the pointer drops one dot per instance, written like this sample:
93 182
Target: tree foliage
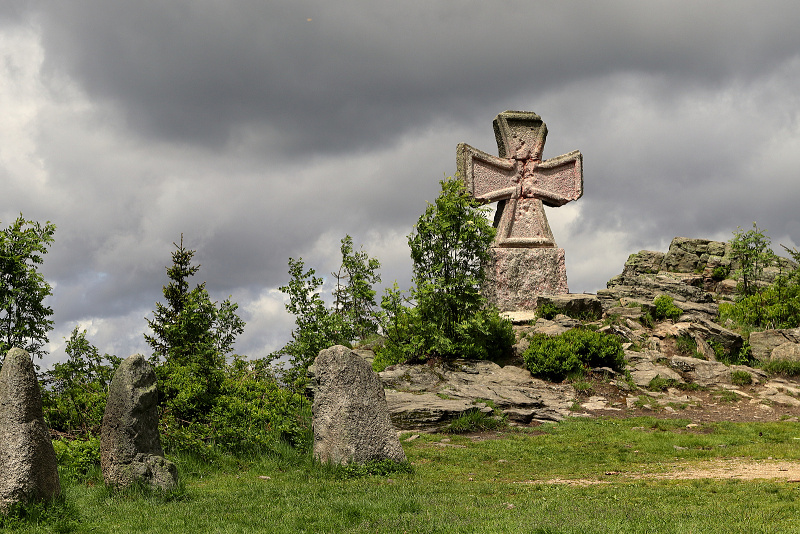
447 316
191 337
758 304
450 248
318 326
354 294
75 392
24 317
752 253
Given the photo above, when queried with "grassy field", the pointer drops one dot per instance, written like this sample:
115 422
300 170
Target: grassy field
579 476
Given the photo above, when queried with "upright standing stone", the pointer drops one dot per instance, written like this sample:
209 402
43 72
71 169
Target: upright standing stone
526 261
351 417
28 469
130 446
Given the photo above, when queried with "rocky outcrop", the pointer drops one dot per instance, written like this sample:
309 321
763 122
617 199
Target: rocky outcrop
350 415
427 397
28 470
130 445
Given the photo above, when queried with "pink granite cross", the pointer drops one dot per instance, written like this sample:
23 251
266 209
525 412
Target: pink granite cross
520 181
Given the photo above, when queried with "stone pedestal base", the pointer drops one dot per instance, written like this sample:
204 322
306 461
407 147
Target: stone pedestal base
516 276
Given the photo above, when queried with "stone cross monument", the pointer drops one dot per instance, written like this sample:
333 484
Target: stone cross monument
526 261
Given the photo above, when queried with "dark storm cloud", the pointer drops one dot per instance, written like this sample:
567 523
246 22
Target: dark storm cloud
361 73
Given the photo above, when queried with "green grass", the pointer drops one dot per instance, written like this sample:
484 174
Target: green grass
463 485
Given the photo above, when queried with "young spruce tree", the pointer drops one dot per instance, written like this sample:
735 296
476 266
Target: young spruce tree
191 336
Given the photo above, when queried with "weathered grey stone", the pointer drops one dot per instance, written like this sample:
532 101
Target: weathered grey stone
646 369
692 255
625 334
130 445
428 397
28 469
763 343
730 341
679 286
516 277
350 415
579 305
643 262
787 352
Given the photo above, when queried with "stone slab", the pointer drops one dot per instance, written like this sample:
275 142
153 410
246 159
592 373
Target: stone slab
517 276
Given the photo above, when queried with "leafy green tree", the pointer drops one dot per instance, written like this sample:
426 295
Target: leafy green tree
316 327
352 315
191 335
354 296
448 316
75 393
450 247
24 318
751 251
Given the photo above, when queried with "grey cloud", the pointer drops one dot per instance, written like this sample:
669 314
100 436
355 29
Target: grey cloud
359 75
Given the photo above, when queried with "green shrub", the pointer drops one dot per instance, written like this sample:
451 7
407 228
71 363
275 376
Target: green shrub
473 421
252 413
776 306
743 356
573 351
76 458
741 378
685 345
786 368
665 308
720 272
548 311
661 384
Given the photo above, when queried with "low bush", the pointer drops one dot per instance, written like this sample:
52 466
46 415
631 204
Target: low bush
251 414
720 272
572 352
786 368
548 311
741 378
77 458
473 421
661 384
665 308
685 345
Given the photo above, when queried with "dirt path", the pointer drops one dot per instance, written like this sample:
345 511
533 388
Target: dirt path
717 469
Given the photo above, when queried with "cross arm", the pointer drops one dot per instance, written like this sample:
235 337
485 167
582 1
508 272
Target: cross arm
563 176
488 178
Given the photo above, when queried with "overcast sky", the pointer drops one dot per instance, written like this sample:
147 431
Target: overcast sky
266 130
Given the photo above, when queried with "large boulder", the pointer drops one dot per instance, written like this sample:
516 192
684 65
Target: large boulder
350 415
130 445
688 255
28 469
763 344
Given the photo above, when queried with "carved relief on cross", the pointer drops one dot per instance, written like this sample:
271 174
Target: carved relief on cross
519 180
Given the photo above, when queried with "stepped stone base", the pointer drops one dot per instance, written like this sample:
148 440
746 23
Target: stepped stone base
516 276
